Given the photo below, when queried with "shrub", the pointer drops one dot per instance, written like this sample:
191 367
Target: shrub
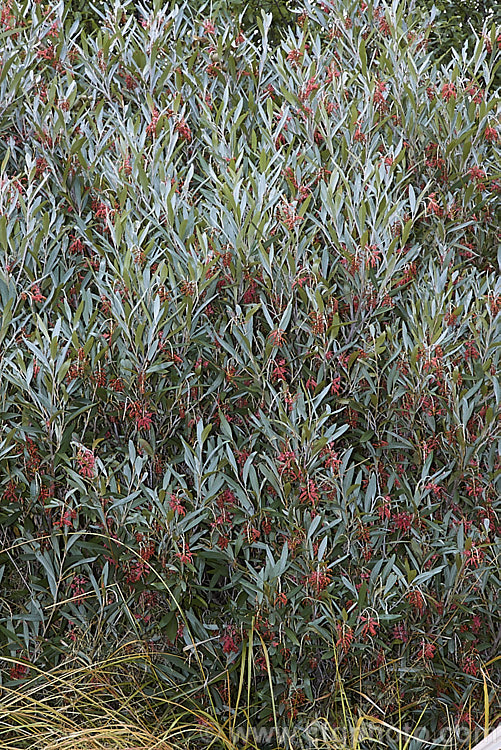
250 345
457 25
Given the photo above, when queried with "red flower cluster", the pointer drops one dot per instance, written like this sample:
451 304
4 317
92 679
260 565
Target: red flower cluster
370 626
230 640
345 636
319 580
427 650
18 671
138 412
66 519
448 91
416 600
185 556
35 294
379 98
177 506
86 462
77 587
402 522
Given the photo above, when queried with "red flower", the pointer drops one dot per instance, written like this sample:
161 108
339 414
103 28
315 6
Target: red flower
471 352
86 462
10 493
428 650
416 600
230 640
469 664
177 506
227 497
379 98
311 384
152 127
266 524
370 626
319 580
475 93
448 91
144 422
137 411
478 176
336 385
309 493
473 556
209 27
491 134
117 385
185 556
277 337
359 136
384 510
332 460
76 246
345 636
294 56
66 519
131 84
18 671
183 129
135 571
35 294
77 587
223 542
279 372
403 521
433 206
288 215
476 624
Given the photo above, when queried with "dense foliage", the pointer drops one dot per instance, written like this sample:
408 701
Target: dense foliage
250 354
453 23
456 24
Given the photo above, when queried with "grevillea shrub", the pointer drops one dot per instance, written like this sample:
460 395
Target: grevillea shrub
250 353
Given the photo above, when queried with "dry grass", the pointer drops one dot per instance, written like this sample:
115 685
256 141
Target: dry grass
103 706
